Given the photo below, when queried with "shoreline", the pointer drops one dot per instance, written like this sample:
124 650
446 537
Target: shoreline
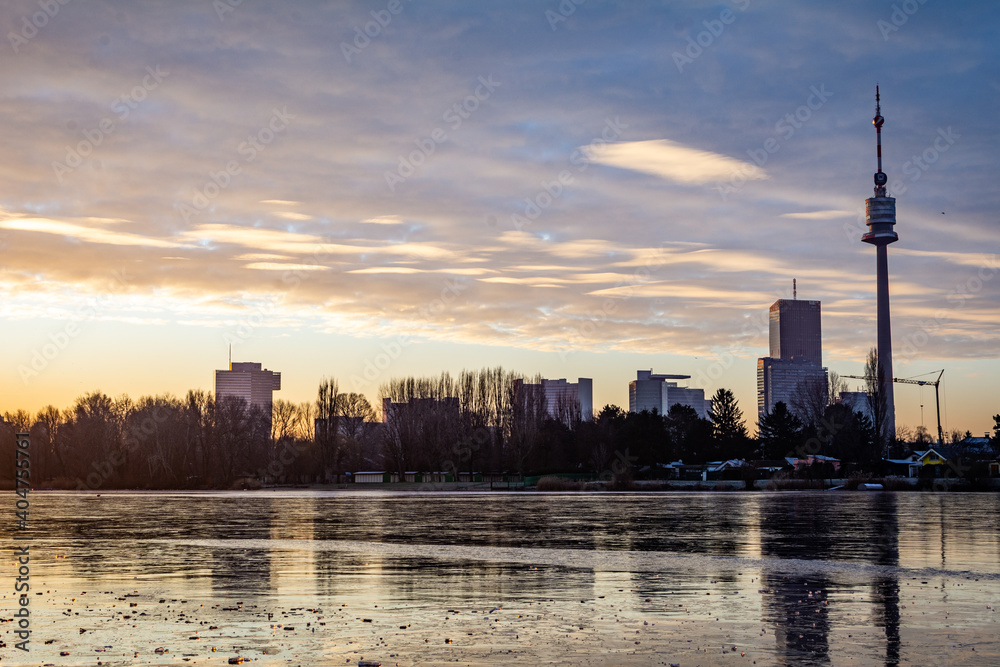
903 485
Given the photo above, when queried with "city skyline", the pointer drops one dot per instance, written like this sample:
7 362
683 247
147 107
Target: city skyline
573 195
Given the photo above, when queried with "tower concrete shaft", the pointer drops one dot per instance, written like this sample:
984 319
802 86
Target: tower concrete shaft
885 345
881 218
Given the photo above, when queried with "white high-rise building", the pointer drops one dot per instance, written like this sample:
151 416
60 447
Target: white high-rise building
563 398
568 401
247 380
653 391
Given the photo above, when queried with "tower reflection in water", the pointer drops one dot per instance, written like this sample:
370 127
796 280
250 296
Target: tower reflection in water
799 604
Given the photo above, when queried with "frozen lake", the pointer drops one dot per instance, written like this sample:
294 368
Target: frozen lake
316 578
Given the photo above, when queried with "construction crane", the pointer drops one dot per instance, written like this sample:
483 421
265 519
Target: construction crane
937 399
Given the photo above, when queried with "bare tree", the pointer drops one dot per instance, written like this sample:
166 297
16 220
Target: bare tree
837 386
356 412
355 423
527 414
48 419
305 423
232 431
19 420
565 410
91 430
327 418
284 415
810 400
481 420
199 408
876 401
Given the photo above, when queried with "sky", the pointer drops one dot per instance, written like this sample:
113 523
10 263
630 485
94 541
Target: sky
368 190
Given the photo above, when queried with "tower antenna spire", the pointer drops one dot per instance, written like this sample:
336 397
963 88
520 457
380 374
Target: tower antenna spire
880 177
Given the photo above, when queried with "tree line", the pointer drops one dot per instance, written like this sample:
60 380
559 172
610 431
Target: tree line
488 420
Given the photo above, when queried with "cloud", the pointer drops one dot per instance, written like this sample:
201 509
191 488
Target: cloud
685 291
408 270
384 220
684 268
673 161
84 233
832 214
974 259
285 266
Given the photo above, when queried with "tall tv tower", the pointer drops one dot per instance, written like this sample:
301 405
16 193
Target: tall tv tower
880 214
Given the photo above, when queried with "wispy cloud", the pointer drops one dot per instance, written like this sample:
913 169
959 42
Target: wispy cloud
384 220
672 161
85 233
530 218
285 266
832 214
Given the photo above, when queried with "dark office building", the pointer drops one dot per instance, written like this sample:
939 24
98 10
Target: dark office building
795 365
795 332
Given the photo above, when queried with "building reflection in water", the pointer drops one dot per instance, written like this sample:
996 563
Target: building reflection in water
243 569
796 607
811 527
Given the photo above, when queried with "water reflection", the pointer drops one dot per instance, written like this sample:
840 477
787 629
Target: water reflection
885 535
800 606
796 606
810 568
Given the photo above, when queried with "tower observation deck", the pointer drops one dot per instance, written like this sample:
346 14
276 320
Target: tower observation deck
880 216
